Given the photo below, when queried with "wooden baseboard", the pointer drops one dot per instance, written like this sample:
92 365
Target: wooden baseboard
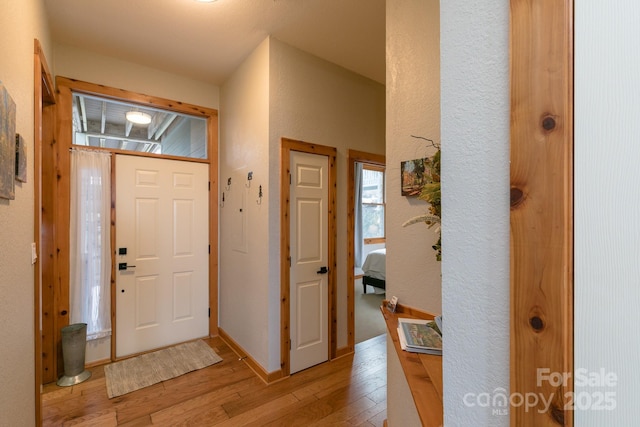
267 377
342 352
97 363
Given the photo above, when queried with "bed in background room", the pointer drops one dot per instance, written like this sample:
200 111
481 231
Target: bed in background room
374 268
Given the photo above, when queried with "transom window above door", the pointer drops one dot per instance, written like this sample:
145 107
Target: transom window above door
117 125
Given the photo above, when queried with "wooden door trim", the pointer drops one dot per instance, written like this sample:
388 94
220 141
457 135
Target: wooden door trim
288 145
65 87
362 157
541 283
43 97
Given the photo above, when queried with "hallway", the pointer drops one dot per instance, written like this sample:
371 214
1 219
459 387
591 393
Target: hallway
348 391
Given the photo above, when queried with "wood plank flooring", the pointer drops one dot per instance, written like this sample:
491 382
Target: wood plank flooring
350 391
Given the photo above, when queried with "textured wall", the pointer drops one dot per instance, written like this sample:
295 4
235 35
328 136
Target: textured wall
607 208
475 206
21 22
308 99
413 108
76 63
315 101
244 147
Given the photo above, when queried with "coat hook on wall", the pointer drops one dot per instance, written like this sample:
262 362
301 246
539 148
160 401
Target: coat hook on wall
259 201
249 178
222 203
228 186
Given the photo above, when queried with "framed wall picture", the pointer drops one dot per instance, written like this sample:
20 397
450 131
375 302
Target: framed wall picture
7 144
414 174
21 159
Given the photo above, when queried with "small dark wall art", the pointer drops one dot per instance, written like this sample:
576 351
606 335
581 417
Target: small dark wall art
21 159
7 144
414 174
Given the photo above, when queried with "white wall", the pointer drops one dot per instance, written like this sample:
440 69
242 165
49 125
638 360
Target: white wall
80 64
315 101
475 205
244 147
607 209
21 22
310 100
413 108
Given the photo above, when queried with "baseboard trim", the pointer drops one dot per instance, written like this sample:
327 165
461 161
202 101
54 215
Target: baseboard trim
97 363
342 352
267 377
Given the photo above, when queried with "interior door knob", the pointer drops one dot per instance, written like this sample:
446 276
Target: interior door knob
323 270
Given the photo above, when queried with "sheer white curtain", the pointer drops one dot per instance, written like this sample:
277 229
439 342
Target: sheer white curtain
90 242
357 215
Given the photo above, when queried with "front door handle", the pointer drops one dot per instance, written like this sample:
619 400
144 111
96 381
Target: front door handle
323 270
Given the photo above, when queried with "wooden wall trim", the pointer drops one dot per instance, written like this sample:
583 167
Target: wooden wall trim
43 121
288 145
58 297
154 101
285 249
212 130
541 244
37 219
62 200
267 377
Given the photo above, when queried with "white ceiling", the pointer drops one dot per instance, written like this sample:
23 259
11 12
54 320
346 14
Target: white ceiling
208 41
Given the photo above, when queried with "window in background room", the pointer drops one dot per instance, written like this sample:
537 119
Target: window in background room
373 204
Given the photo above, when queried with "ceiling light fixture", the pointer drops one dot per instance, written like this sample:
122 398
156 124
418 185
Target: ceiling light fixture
138 117
206 1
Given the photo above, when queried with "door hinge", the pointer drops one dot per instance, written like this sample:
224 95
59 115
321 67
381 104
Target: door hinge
209 311
209 249
289 262
209 185
289 178
289 344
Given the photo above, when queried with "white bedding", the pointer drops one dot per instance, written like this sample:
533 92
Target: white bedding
375 264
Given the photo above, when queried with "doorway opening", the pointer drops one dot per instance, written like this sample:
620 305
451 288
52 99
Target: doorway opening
356 296
85 111
323 318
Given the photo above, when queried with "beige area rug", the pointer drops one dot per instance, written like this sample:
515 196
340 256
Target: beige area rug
142 371
369 322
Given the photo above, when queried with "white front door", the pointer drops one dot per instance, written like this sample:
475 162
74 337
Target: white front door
162 294
309 282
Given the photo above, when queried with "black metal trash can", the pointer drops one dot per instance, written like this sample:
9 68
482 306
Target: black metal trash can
74 343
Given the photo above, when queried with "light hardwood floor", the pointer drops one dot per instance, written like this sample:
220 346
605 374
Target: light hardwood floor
350 391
